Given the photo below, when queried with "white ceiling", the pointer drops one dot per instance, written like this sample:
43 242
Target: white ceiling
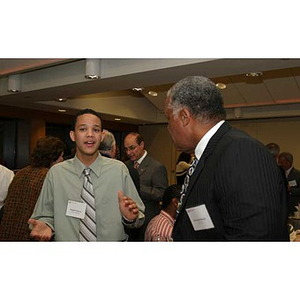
275 94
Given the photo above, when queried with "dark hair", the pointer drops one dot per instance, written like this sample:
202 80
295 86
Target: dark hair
288 156
200 96
273 148
138 137
172 191
85 111
47 150
183 156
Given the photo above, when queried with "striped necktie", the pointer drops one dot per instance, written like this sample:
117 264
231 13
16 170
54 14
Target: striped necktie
136 165
87 229
186 183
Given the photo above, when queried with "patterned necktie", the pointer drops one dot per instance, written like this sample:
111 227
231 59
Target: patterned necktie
87 229
136 165
186 183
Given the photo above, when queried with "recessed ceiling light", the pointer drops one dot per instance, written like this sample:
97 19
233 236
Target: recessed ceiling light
62 110
152 93
254 74
137 89
61 100
221 86
117 119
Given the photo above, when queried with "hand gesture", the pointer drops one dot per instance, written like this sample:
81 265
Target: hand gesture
128 207
40 230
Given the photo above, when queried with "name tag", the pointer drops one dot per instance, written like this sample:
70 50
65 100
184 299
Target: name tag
292 183
76 209
199 217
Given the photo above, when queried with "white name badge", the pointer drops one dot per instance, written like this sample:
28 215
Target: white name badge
199 217
76 209
292 183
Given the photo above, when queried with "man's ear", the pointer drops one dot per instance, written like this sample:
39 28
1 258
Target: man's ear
72 135
175 202
184 116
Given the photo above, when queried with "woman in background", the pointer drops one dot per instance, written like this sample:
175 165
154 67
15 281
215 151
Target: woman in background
25 188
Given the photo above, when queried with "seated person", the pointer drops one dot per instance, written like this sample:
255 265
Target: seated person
161 226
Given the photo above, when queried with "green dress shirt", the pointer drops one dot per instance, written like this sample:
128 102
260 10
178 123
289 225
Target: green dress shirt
64 182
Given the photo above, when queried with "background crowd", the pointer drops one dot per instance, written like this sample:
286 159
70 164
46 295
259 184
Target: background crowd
229 186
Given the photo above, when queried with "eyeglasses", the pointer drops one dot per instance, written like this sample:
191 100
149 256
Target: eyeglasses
130 148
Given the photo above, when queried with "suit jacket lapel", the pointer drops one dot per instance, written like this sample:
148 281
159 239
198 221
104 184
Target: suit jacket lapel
143 166
207 152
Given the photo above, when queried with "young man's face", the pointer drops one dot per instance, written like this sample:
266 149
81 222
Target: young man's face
87 135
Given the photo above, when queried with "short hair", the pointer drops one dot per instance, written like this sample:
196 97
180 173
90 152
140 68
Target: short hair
47 150
108 141
288 156
273 148
200 96
172 191
85 111
138 137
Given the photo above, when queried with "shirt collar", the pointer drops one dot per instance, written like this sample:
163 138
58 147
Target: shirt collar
142 157
205 139
95 166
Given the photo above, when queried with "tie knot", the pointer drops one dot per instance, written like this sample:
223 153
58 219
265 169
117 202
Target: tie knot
136 164
87 171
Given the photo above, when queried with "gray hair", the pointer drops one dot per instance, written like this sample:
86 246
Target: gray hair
200 96
108 141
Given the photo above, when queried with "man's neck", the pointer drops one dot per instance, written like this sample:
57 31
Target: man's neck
87 160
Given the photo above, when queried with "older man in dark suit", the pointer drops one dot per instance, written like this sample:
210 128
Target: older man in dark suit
234 189
285 161
153 177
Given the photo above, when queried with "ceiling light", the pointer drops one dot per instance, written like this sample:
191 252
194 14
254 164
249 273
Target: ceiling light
221 86
137 89
61 100
92 68
14 83
152 93
254 74
62 110
117 119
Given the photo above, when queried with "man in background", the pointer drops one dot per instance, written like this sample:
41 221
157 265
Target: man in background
108 146
153 177
285 161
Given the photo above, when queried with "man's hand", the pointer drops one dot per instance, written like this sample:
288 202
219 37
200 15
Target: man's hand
128 207
40 230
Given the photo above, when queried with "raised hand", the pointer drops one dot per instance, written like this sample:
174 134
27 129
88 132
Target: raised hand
128 207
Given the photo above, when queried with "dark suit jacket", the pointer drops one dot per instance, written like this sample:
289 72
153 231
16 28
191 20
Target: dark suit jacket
153 182
294 177
241 186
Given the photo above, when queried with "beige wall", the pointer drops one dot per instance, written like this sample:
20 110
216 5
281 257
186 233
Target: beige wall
284 132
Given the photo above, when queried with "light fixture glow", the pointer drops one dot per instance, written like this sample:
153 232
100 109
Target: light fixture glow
92 68
254 74
61 100
62 110
137 89
14 83
117 119
152 93
221 86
